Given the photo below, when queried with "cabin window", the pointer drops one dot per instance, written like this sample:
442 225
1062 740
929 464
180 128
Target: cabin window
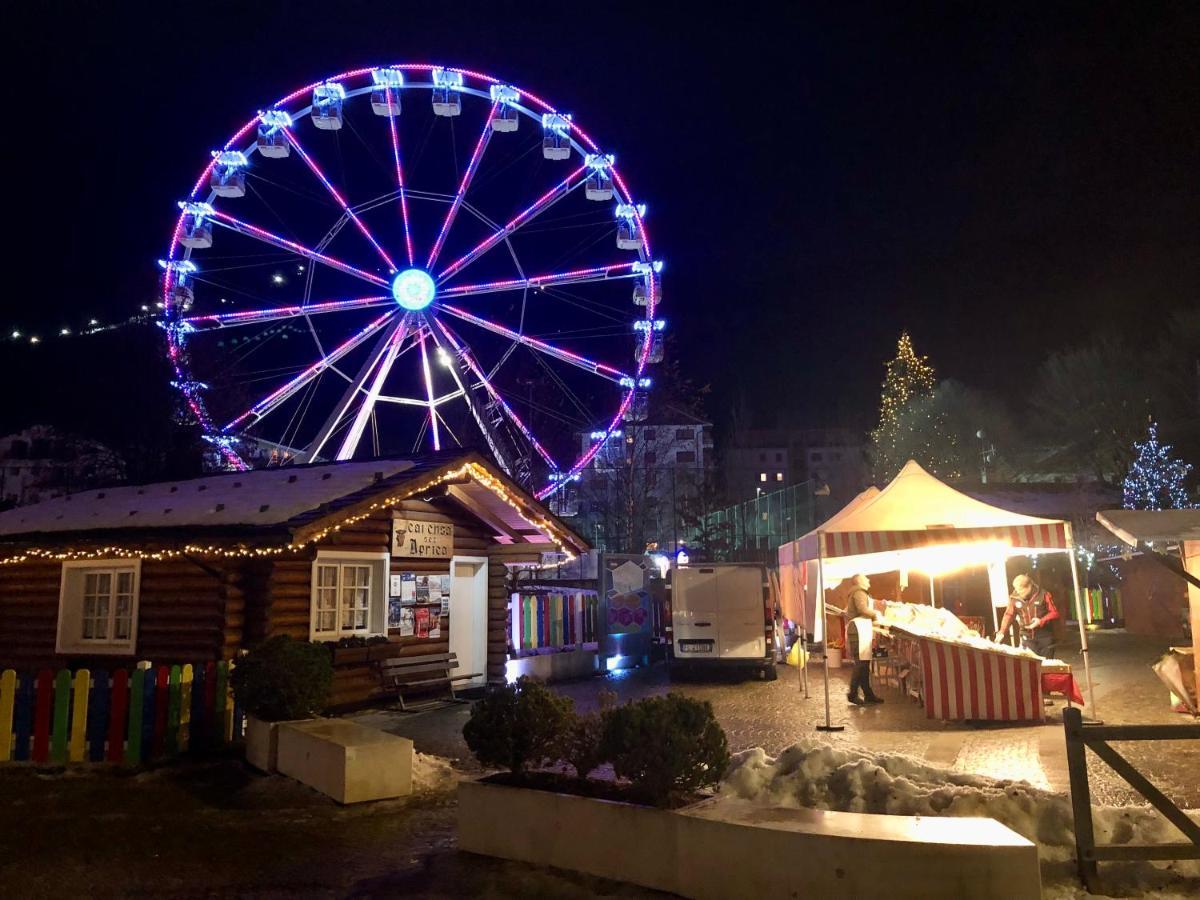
98 606
347 595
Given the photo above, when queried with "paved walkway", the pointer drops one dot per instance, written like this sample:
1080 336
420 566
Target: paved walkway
773 715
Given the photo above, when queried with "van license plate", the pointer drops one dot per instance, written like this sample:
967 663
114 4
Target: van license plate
695 646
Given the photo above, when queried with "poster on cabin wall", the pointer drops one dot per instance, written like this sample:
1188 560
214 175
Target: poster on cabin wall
407 621
412 539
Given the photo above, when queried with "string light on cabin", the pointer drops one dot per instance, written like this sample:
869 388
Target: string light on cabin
472 470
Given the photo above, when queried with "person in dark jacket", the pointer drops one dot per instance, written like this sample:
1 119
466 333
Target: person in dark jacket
860 606
1033 610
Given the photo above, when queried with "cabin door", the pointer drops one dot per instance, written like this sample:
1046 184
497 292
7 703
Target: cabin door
468 617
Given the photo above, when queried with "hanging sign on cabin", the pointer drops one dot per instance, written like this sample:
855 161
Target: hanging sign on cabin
422 540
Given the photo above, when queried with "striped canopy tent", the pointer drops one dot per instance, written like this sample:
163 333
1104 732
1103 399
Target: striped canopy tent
917 511
920 523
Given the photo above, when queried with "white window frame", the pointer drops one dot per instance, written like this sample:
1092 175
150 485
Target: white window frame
69 637
378 565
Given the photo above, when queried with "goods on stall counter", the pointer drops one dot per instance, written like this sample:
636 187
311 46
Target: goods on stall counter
935 622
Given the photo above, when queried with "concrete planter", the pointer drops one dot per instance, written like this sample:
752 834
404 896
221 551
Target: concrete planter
548 667
262 743
730 848
344 760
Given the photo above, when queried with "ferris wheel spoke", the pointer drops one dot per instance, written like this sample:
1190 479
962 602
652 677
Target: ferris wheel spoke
267 237
463 353
567 356
354 435
539 206
408 244
472 167
255 316
341 201
278 396
578 276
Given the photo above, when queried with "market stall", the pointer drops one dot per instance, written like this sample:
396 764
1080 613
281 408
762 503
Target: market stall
1155 533
958 675
919 524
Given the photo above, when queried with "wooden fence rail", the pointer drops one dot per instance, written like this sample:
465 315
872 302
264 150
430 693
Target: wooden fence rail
1087 852
124 716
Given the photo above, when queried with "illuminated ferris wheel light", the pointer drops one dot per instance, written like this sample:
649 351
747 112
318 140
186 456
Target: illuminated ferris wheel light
413 289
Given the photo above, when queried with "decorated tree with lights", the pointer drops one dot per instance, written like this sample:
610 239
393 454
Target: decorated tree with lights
1155 479
909 378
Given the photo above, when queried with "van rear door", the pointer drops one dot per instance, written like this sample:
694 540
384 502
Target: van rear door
742 615
695 618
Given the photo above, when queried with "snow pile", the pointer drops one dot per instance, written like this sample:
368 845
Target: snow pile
432 773
814 774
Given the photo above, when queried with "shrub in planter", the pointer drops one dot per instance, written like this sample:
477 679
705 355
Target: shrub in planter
669 747
282 679
518 726
582 744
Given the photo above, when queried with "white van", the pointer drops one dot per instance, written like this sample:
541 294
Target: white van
721 615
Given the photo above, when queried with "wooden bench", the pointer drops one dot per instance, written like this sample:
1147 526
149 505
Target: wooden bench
404 673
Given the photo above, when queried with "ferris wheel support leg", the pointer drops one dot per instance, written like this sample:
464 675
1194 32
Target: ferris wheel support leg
338 415
455 360
433 419
354 435
279 395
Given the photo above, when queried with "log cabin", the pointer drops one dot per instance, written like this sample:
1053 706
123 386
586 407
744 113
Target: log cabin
416 551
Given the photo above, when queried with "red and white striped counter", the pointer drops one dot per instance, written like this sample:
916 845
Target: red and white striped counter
960 682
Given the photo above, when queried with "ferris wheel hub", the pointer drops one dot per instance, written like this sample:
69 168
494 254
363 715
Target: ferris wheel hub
413 289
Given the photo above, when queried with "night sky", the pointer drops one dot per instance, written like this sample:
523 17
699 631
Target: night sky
1000 182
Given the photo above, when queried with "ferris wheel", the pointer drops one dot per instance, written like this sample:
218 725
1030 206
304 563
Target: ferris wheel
412 258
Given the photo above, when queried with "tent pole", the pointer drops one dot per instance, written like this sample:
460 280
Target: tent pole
801 586
828 726
1083 640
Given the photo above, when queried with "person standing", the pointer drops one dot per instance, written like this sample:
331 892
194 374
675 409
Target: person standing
860 615
1034 610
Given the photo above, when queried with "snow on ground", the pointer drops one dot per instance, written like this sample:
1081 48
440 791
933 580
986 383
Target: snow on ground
821 776
432 773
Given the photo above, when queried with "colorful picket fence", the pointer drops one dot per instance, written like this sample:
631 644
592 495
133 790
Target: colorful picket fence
553 619
126 717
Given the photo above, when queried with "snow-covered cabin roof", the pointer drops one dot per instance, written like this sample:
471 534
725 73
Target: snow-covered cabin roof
290 504
259 497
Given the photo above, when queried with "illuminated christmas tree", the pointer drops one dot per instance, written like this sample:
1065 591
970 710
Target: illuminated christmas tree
909 377
1155 479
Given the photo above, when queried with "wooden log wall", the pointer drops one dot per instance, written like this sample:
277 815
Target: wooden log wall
28 613
187 612
499 597
356 680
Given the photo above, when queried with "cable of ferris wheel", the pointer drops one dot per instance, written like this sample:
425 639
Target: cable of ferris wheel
463 351
336 194
602 370
254 231
540 205
472 167
562 386
264 406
